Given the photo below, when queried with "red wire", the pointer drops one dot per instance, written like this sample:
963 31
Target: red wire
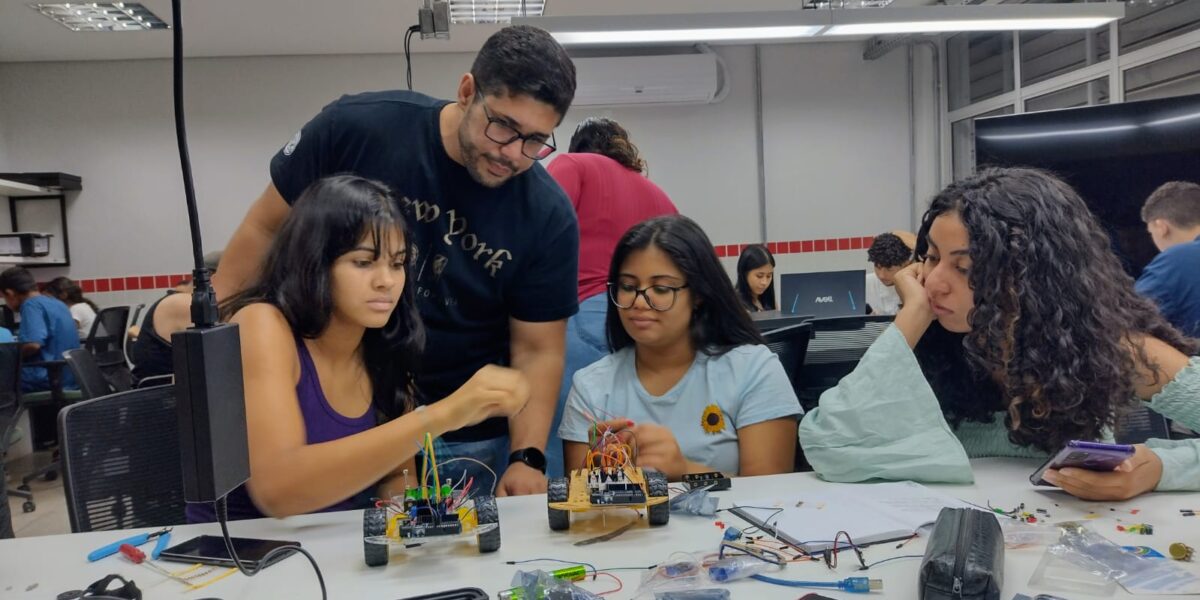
620 585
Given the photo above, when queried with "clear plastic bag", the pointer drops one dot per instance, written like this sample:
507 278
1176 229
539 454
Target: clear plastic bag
1019 534
679 573
1094 553
695 502
540 584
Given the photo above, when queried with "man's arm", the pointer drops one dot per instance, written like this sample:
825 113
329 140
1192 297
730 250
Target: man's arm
538 351
243 256
30 349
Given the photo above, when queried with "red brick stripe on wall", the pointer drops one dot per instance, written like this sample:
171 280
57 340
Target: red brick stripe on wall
732 251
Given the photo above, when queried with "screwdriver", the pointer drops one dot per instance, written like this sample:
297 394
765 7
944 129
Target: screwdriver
138 557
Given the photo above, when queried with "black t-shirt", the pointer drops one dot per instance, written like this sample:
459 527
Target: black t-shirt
481 255
151 353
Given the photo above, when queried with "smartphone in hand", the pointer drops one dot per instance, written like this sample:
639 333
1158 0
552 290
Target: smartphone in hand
1093 456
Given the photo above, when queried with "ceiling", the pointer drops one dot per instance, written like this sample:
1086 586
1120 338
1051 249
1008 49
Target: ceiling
281 27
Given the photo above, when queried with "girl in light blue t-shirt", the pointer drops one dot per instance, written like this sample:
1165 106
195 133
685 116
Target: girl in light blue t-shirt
689 381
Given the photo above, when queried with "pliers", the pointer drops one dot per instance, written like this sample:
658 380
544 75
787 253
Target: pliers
163 535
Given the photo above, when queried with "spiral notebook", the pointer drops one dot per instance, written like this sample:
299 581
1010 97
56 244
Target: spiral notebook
871 513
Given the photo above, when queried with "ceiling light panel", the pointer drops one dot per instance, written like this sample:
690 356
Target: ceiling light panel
102 16
494 11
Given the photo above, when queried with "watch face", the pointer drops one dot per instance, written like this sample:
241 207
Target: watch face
530 456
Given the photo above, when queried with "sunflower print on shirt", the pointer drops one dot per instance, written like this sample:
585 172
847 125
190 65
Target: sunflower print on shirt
712 420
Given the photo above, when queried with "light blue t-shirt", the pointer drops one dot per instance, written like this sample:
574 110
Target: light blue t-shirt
717 396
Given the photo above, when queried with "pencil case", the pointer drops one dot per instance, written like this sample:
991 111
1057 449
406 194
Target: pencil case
964 559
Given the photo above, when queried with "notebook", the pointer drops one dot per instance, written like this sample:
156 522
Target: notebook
870 513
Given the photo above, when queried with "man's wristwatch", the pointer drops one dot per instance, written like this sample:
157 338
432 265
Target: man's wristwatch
530 456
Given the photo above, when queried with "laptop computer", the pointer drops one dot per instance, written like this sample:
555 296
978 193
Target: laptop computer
824 295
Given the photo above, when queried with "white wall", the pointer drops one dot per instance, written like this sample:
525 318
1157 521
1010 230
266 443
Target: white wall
836 145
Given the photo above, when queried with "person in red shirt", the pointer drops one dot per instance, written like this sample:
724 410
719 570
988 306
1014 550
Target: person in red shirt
604 176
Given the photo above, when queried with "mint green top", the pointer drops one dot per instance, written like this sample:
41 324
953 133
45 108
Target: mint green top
883 422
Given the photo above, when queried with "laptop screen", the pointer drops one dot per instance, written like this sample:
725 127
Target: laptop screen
824 295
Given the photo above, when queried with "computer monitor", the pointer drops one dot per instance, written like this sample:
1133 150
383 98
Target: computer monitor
824 295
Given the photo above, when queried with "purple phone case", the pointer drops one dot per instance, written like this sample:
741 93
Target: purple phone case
1093 456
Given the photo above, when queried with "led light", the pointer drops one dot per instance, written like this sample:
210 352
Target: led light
883 28
684 35
494 11
102 16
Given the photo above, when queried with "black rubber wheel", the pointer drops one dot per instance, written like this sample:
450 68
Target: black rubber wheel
558 490
486 513
29 506
375 524
656 485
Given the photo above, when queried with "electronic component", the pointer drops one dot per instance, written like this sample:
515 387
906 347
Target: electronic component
612 486
718 481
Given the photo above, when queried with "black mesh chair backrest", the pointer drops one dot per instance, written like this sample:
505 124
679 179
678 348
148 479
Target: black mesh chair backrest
121 461
845 339
92 383
10 378
108 331
1141 424
127 343
791 345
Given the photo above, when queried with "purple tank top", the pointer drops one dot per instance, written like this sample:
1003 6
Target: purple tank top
321 424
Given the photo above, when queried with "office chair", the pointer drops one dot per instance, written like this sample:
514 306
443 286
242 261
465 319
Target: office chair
106 341
1141 424
121 461
835 349
10 414
92 383
791 345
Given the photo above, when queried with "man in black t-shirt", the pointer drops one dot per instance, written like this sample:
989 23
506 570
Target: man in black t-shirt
494 239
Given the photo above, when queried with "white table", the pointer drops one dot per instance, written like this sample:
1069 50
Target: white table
57 563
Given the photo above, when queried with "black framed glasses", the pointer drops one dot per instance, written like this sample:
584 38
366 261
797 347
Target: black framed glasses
533 146
658 297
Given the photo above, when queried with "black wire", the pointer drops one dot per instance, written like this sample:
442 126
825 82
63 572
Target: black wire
281 551
204 303
880 562
408 53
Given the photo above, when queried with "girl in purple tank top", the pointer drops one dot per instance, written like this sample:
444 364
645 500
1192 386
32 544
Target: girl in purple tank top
330 335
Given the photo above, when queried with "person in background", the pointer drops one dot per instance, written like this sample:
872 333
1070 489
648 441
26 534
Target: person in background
756 278
47 329
689 380
82 310
1019 331
604 175
1172 279
889 253
150 352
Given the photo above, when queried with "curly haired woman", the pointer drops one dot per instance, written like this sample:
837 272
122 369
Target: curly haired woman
1019 332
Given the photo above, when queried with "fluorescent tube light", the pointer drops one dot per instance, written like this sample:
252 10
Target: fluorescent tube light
711 34
956 18
968 25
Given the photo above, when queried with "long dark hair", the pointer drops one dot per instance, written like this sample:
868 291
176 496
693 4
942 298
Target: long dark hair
605 136
754 257
69 292
719 323
1054 313
328 220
